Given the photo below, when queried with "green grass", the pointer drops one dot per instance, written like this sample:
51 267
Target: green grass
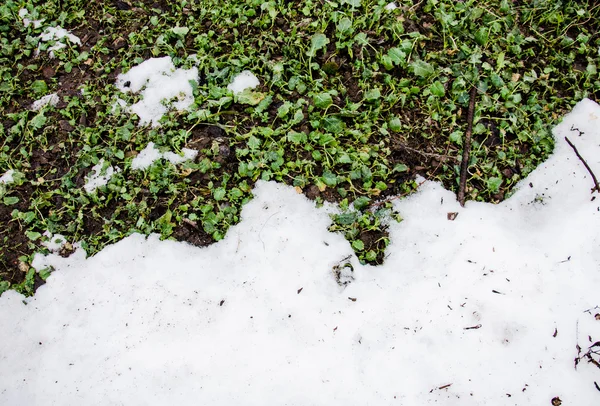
354 101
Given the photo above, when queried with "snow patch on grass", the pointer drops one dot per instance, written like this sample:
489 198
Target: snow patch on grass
7 177
242 81
161 86
55 241
58 35
485 308
148 155
99 176
23 13
48 100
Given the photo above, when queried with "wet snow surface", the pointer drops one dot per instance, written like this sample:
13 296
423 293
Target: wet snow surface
487 309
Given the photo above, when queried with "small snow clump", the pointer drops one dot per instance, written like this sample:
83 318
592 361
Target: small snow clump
244 80
7 177
50 99
57 34
55 241
98 177
159 83
150 154
27 22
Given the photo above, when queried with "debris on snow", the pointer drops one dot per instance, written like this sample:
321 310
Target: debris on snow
99 176
161 86
242 81
48 100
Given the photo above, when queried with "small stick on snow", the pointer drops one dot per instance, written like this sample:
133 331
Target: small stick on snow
466 149
596 184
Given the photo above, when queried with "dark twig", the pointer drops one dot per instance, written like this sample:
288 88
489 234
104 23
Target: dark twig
439 157
596 184
466 148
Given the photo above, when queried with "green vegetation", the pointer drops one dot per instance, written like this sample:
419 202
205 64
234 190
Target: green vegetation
354 101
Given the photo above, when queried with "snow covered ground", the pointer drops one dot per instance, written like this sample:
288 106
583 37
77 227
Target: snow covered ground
486 309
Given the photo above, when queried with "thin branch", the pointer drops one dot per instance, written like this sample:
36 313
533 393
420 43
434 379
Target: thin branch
439 157
596 184
466 149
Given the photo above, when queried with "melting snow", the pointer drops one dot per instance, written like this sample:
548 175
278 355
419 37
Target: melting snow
48 100
242 81
99 176
161 86
486 309
150 154
23 13
7 177
55 241
58 35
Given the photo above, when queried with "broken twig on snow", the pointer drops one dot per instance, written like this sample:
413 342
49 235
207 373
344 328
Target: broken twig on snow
466 149
596 184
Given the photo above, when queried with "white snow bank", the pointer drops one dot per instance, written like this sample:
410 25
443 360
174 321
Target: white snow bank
484 310
99 176
58 35
161 86
242 81
7 177
150 154
48 100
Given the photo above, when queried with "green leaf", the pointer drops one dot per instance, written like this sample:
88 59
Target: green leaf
38 121
322 100
397 56
358 245
39 87
373 95
297 137
180 31
284 109
344 26
10 200
481 36
219 193
249 97
456 137
317 42
33 235
333 125
400 168
422 69
345 219
494 184
395 124
371 256
437 89
329 178
352 3
361 202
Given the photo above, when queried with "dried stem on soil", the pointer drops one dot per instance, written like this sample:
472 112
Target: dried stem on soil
596 184
466 149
